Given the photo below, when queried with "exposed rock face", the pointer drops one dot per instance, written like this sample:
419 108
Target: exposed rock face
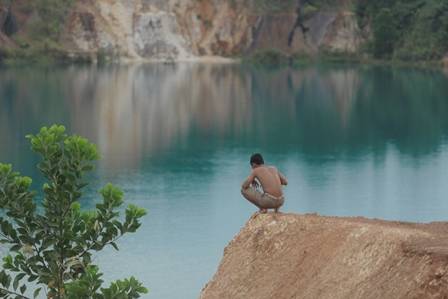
12 20
343 35
188 29
156 35
445 61
184 29
292 256
133 29
3 17
4 40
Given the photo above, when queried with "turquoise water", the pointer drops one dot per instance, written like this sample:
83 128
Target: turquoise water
352 140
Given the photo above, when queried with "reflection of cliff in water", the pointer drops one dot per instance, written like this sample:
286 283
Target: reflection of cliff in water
137 111
142 110
29 99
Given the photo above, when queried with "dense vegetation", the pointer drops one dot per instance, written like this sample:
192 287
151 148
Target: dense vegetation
39 41
410 30
51 244
269 57
398 30
52 15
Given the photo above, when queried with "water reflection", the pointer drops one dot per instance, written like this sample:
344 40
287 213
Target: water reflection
353 140
138 111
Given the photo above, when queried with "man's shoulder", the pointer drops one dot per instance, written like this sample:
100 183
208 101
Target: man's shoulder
260 169
264 168
269 168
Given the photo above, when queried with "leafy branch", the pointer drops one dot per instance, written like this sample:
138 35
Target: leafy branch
53 248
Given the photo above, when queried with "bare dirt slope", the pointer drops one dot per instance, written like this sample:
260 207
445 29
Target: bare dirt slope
182 29
178 30
295 256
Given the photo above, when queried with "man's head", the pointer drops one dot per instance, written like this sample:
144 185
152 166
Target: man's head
256 160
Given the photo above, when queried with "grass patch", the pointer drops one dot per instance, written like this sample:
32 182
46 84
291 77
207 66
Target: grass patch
40 54
273 58
269 57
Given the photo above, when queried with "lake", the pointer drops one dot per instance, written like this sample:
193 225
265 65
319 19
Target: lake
353 140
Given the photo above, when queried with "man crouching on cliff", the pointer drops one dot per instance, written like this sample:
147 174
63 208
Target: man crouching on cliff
271 181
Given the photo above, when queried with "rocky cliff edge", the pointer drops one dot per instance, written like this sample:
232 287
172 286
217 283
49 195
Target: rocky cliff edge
184 30
309 256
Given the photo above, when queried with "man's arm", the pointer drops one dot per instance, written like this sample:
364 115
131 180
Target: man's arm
248 181
283 179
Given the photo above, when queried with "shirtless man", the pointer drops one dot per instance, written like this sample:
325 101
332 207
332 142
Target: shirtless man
271 181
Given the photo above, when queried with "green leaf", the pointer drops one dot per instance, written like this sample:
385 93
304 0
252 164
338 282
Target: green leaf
4 278
8 260
114 246
36 292
15 248
16 281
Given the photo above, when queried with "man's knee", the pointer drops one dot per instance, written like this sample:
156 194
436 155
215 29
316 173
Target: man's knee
249 195
246 192
249 191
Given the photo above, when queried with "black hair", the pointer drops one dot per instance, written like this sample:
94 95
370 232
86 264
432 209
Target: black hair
256 159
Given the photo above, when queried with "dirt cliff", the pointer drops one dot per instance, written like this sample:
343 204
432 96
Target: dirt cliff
188 29
183 29
295 256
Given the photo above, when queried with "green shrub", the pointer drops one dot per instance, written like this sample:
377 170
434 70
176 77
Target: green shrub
300 59
384 34
52 15
269 57
411 30
51 245
338 56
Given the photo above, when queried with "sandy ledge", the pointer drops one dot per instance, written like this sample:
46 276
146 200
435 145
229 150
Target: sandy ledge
288 256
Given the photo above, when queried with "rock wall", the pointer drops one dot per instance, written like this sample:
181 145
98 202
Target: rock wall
187 29
291 256
134 29
5 41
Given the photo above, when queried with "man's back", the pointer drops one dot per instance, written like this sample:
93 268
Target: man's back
269 179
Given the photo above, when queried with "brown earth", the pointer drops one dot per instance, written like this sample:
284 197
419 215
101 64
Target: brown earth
186 29
309 256
5 42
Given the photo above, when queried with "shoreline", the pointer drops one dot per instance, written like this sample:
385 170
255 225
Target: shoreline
212 59
71 58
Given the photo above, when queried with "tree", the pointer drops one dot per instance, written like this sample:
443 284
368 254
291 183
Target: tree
52 245
53 14
384 34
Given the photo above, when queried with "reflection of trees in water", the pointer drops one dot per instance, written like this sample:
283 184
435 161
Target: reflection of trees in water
308 109
29 98
350 110
407 108
136 111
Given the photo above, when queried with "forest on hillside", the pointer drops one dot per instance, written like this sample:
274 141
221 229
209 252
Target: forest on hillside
410 30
